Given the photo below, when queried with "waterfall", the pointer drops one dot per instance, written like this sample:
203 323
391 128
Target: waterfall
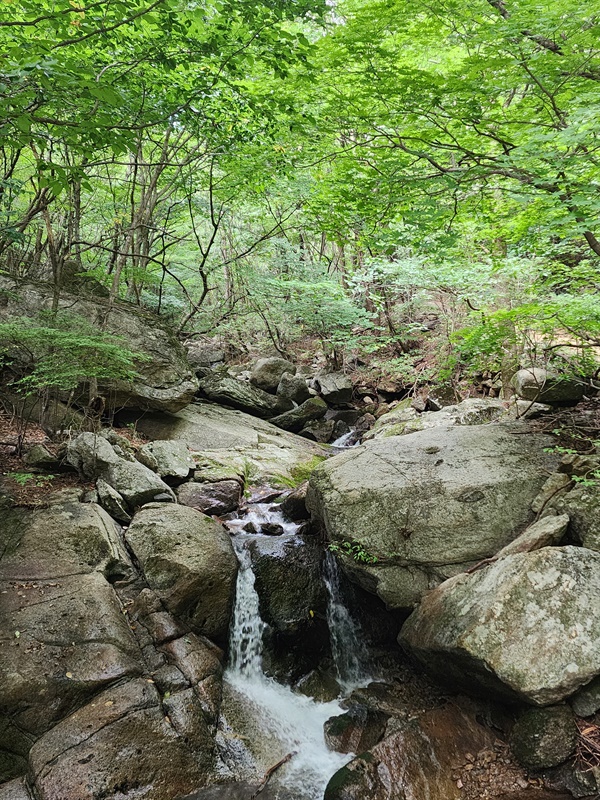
276 720
247 627
347 644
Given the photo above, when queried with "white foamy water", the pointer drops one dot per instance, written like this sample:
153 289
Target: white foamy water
276 720
350 654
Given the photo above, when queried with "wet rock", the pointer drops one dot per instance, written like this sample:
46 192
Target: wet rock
221 388
416 761
359 729
293 387
292 601
200 661
240 791
537 384
480 630
425 506
94 457
335 388
297 418
168 459
340 428
217 498
267 373
188 560
294 505
271 529
320 431
119 744
320 686
544 737
169 678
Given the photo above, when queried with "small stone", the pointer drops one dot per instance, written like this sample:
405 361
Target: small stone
544 737
271 529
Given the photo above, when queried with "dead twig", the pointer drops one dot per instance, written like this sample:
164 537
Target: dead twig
269 773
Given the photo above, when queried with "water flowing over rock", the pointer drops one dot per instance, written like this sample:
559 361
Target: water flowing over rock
481 630
188 560
164 382
274 720
424 507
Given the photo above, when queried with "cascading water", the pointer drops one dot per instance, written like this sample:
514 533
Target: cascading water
276 720
349 652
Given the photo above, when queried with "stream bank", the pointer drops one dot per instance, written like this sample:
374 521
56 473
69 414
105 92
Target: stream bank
154 665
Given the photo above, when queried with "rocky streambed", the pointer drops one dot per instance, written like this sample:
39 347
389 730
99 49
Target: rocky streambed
159 642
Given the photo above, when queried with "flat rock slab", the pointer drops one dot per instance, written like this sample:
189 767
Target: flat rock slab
526 627
62 640
118 745
237 441
422 507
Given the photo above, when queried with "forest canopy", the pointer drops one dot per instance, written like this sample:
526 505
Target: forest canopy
348 174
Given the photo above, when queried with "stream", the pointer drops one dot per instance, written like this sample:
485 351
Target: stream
263 720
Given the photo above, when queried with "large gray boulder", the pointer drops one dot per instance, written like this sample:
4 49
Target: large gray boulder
94 457
227 444
188 560
164 380
485 629
293 387
297 418
335 387
222 388
426 506
267 373
536 384
170 460
404 419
